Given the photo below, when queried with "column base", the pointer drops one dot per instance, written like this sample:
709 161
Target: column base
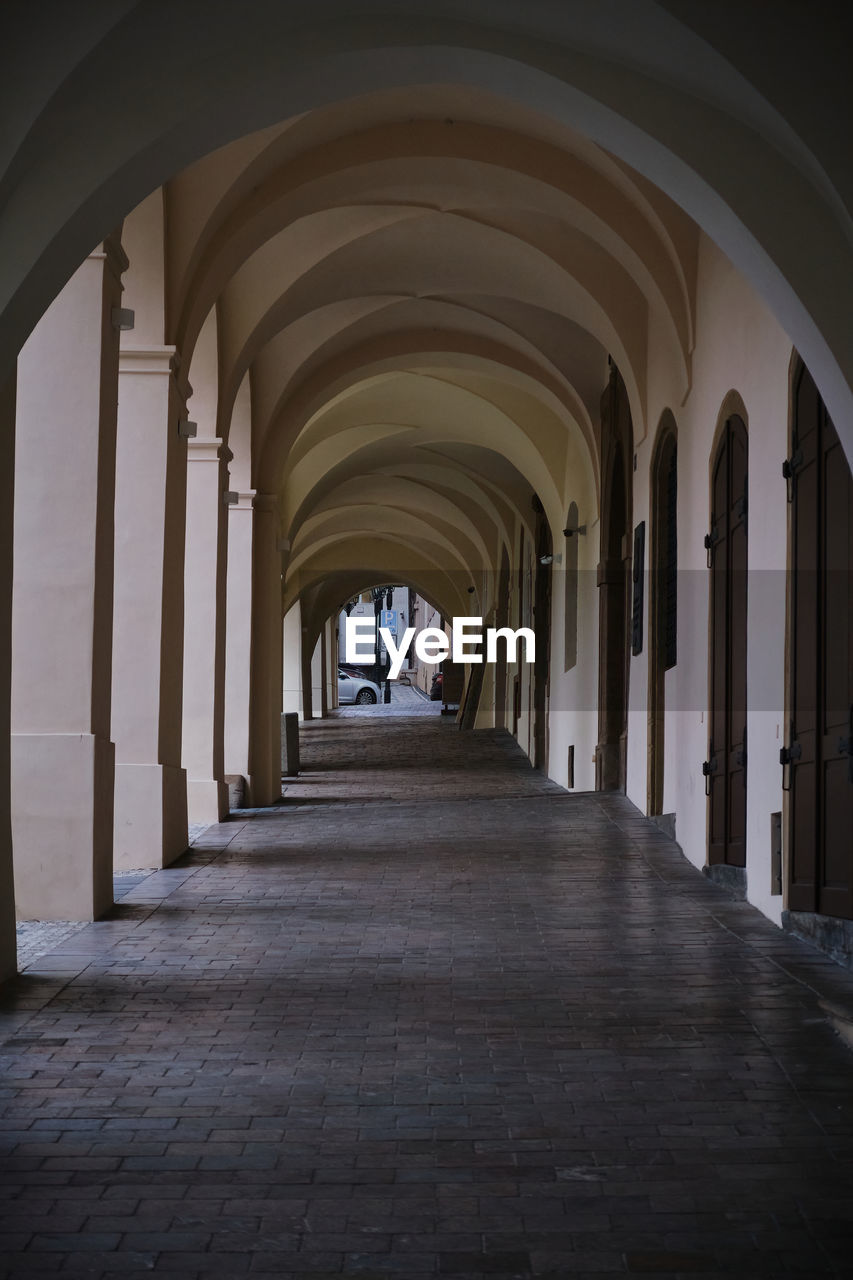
150 815
261 792
62 825
207 800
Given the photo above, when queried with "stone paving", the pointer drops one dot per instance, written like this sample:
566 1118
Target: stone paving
406 700
429 1016
36 937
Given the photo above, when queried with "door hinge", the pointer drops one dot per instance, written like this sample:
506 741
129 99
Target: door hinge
789 470
788 756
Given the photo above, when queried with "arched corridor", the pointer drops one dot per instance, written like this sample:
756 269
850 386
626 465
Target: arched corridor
390 1027
533 319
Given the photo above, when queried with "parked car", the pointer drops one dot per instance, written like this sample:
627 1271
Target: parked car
361 672
355 689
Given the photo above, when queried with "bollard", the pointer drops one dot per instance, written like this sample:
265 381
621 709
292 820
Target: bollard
290 744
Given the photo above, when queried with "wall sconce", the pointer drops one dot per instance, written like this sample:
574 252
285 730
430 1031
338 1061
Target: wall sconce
187 430
122 318
570 533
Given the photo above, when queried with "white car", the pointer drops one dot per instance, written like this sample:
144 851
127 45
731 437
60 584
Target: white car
354 689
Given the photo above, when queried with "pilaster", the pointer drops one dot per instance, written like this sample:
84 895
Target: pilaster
265 675
8 941
204 630
239 633
150 794
62 762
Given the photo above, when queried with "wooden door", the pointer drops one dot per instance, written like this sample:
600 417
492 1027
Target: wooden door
502 620
542 625
663 615
613 586
727 544
819 757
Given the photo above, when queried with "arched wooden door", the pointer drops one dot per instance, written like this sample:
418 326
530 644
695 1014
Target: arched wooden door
725 768
613 586
664 601
502 620
818 760
542 626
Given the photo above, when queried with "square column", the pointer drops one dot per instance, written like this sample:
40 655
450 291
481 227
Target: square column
151 480
291 660
8 940
238 613
204 631
265 676
62 757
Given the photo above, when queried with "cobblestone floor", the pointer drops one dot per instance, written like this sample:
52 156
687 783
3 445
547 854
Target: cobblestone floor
36 937
406 700
430 1016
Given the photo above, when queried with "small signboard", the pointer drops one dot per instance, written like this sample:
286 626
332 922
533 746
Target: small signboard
388 619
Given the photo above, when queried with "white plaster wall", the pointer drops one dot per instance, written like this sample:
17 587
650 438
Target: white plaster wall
317 680
740 347
573 717
292 660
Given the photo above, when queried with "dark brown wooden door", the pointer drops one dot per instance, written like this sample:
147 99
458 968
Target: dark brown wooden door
819 770
613 582
726 768
542 623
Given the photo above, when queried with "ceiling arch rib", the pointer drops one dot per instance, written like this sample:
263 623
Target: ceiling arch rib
434 514
557 257
389 503
292 372
470 170
407 530
436 412
437 256
394 563
649 86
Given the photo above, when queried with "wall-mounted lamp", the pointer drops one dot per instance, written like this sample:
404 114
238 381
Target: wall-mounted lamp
122 318
187 430
570 533
230 498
